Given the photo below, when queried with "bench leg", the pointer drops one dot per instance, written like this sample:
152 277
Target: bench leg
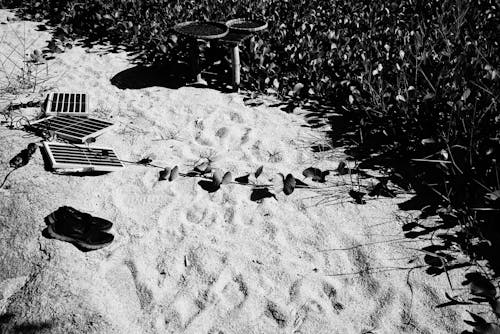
195 62
235 59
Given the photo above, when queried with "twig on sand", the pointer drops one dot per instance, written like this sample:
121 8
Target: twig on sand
375 270
369 244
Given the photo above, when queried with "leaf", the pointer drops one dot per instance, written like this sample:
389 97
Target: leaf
258 171
228 178
481 326
342 168
493 196
357 196
297 88
289 184
164 174
477 320
259 194
144 161
202 167
243 179
452 301
495 306
163 48
428 141
173 174
480 285
428 96
466 94
217 177
381 189
434 261
311 172
278 183
173 38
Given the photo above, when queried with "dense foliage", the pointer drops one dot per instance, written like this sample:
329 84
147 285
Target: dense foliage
415 79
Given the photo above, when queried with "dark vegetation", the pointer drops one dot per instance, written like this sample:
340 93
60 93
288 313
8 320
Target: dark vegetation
415 85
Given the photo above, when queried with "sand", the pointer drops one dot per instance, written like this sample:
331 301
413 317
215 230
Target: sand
188 261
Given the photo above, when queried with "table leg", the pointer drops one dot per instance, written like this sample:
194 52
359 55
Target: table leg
235 59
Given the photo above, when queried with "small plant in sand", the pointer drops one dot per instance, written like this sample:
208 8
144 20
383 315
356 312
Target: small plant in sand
275 156
23 68
213 178
24 76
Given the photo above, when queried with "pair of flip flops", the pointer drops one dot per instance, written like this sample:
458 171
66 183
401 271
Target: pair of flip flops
79 228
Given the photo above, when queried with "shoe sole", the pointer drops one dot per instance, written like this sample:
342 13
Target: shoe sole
52 220
55 235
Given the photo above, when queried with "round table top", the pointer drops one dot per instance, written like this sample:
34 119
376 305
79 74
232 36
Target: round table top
246 25
202 29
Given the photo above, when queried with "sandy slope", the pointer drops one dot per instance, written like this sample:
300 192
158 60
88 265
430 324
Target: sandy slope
188 261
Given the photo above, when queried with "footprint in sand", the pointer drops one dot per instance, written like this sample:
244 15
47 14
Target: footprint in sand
303 312
361 261
294 291
182 313
274 313
246 136
385 303
144 294
236 292
121 281
222 132
236 117
331 293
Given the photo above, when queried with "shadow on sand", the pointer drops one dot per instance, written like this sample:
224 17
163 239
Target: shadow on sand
171 75
8 325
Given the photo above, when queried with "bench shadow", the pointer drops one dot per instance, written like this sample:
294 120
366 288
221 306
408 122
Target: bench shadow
171 74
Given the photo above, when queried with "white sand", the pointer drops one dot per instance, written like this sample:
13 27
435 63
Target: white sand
185 260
